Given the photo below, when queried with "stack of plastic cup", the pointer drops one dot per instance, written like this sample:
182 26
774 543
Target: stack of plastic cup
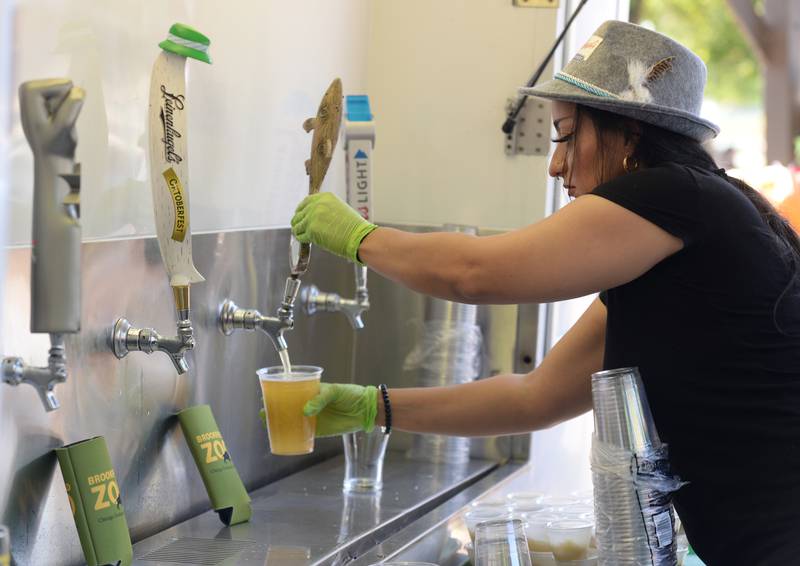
634 519
621 413
448 352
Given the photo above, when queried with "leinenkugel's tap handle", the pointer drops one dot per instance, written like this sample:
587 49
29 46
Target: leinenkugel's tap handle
169 180
169 158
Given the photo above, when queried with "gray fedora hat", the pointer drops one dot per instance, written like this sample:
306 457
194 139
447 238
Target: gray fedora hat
635 72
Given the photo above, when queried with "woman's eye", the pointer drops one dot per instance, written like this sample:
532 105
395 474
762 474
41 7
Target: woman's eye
562 139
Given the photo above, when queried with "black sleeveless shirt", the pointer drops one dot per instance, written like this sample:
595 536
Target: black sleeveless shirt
715 332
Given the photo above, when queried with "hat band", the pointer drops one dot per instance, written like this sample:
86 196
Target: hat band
583 85
202 47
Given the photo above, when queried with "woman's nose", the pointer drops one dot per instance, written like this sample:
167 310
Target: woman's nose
556 168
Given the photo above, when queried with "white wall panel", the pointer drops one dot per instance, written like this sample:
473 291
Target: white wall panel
439 76
562 452
272 59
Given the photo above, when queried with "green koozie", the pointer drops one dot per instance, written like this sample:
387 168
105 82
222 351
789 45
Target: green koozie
96 502
222 481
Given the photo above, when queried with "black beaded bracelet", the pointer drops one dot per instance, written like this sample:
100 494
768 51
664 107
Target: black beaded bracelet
387 409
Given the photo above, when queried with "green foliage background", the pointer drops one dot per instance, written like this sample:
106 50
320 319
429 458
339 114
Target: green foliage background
708 28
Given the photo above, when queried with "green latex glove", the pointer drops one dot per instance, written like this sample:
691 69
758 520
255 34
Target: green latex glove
342 408
325 220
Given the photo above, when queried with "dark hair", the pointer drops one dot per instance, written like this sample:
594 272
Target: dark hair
656 146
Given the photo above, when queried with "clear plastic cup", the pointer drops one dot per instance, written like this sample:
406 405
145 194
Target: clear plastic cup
290 432
578 511
496 505
559 500
363 460
569 539
491 500
501 543
526 502
403 564
483 514
536 530
525 496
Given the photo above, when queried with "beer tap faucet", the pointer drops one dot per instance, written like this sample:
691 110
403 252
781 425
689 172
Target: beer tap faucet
314 300
169 182
326 131
231 317
49 110
358 141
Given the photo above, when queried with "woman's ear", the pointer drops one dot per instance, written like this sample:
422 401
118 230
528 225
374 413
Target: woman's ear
632 135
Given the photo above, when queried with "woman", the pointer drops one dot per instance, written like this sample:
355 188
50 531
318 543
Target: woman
696 274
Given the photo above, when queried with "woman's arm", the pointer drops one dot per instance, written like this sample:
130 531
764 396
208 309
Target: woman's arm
589 245
557 390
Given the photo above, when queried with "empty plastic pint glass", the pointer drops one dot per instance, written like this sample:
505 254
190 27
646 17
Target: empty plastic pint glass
501 543
290 432
363 460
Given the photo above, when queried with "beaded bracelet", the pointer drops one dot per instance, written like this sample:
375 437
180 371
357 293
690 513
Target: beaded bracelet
387 408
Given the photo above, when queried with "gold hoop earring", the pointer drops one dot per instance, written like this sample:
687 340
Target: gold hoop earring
630 166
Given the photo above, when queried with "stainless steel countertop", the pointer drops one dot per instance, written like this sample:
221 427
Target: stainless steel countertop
305 519
441 536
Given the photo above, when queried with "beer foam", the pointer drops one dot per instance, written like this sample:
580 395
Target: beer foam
294 376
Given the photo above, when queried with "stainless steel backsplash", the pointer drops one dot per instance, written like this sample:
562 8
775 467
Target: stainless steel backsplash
132 402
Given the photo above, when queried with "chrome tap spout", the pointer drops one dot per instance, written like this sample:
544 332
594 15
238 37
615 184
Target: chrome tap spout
43 379
314 300
125 338
231 318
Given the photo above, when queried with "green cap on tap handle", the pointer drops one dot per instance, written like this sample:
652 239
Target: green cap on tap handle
96 502
225 488
186 41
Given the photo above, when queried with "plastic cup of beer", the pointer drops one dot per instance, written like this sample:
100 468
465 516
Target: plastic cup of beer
290 432
569 539
536 530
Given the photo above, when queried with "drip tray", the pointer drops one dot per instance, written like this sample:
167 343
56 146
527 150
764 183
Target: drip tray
199 551
305 519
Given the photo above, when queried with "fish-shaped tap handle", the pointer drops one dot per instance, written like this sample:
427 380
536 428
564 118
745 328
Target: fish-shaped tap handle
325 126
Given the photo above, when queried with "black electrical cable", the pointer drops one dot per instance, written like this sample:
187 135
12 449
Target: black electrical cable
511 120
